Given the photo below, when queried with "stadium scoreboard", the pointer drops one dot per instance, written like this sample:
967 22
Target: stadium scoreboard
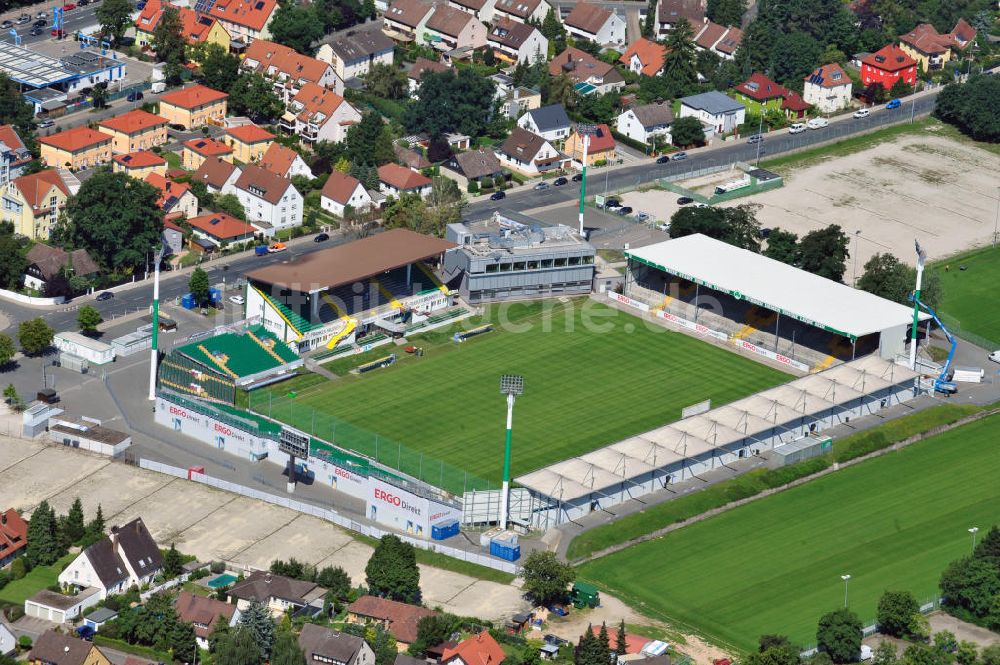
294 442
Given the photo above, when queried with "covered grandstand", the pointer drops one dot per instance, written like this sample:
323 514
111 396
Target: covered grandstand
375 286
760 303
752 426
215 365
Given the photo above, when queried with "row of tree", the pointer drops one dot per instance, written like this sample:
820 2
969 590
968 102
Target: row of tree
50 536
971 107
970 586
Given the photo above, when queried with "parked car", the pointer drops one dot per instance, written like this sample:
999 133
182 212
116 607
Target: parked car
37 30
497 196
893 104
82 3
542 185
24 18
612 203
624 210
765 233
796 128
817 123
277 247
177 127
42 15
577 177
40 23
44 124
995 356
237 300
558 182
755 138
862 113
56 32
106 295
642 216
140 5
6 25
684 200
322 237
135 96
68 7
663 226
678 156
663 159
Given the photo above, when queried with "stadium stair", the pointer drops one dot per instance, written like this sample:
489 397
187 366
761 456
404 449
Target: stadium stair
387 294
339 313
434 280
349 326
824 364
220 362
755 321
663 305
266 348
296 322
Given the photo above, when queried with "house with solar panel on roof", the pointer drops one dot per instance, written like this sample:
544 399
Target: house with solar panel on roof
828 88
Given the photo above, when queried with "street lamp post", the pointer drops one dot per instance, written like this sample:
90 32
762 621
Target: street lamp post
846 578
857 234
974 530
511 385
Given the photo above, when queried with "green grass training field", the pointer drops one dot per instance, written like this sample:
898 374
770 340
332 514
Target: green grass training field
774 566
967 294
583 389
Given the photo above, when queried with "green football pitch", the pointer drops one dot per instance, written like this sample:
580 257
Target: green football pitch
592 376
969 296
774 565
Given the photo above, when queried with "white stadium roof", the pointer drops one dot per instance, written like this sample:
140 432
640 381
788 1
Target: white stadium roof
774 285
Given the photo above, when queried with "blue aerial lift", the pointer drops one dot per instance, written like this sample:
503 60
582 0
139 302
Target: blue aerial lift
943 383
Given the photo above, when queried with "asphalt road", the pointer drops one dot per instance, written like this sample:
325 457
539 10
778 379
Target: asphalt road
73 20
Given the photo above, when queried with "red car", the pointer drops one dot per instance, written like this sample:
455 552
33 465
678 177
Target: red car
68 6
56 32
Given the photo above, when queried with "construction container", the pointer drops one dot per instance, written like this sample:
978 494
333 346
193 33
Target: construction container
486 537
502 551
215 295
806 447
444 529
585 595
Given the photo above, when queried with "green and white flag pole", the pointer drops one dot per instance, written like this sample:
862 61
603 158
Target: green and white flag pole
921 258
156 326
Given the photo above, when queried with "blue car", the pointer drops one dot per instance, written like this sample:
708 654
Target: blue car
893 104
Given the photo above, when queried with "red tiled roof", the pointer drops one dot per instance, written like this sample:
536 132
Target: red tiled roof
829 76
401 177
207 147
793 102
926 39
421 65
889 58
587 17
650 54
761 88
35 188
9 137
730 41
193 97
402 618
194 26
249 134
601 140
149 16
317 99
214 172
339 187
479 649
272 59
633 643
709 35
76 139
519 8
220 225
167 224
252 14
13 533
278 159
963 33
168 189
133 122
202 612
579 65
140 159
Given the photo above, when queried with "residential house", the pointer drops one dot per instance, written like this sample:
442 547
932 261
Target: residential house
194 106
45 262
521 10
519 100
479 649
13 538
932 49
669 12
32 203
176 198
288 69
601 148
760 89
720 113
146 21
341 190
54 648
794 106
127 557
285 162
317 114
420 66
135 130
8 642
278 592
453 28
529 153
719 39
322 646
399 619
594 22
828 88
217 174
405 20
516 42
888 65
244 20
199 28
583 68
172 238
477 165
646 123
219 230
396 180
271 202
248 142
139 164
14 156
549 122
481 9
196 151
203 613
644 56
411 158
77 148
352 52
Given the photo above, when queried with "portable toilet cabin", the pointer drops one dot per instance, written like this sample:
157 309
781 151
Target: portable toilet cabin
585 595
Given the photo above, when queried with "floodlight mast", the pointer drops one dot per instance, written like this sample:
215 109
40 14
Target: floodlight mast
511 385
153 357
921 258
585 132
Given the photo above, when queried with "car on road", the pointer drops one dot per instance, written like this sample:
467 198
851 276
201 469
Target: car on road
497 196
44 124
995 356
796 128
541 186
893 104
42 15
612 203
277 247
322 237
754 138
577 177
678 156
135 96
817 123
643 216
68 7
560 181
862 113
663 226
37 30
24 18
684 200
624 210
40 23
177 127
82 3
105 295
663 159
6 25
237 300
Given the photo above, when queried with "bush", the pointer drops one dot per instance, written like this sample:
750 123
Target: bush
24 643
472 187
18 569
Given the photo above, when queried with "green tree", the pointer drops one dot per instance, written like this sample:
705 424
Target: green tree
687 132
387 81
726 12
7 350
286 649
369 142
900 89
620 643
35 335
970 107
970 584
74 527
793 57
895 611
783 246
173 562
546 578
967 653
44 547
169 44
116 219
839 633
199 287
884 653
12 261
296 26
219 68
12 398
552 27
99 95
16 110
679 62
988 549
990 655
945 642
917 654
253 95
182 641
450 102
256 621
824 252
237 647
737 226
88 318
559 90
95 529
383 644
392 571
336 581
114 17
230 204
431 631
774 650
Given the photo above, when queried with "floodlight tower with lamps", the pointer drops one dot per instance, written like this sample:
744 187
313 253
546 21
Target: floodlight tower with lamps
585 131
921 258
846 578
156 324
974 530
511 385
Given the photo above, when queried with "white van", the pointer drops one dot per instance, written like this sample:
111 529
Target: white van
796 127
817 123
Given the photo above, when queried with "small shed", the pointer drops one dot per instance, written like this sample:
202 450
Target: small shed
548 651
585 595
99 617
517 623
94 351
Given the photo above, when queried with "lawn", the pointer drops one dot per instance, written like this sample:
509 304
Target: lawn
965 292
592 376
18 591
774 566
